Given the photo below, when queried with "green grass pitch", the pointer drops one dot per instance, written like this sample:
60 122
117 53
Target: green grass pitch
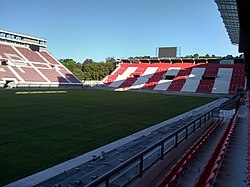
39 130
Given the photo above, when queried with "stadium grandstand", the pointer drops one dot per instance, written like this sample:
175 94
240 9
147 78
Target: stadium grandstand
213 76
201 147
25 62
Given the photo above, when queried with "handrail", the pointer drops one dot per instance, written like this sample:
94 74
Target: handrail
182 164
233 100
105 178
139 156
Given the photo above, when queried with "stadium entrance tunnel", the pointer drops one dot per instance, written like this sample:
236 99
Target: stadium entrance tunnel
10 84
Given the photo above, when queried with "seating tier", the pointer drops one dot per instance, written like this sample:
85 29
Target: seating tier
180 77
27 67
30 55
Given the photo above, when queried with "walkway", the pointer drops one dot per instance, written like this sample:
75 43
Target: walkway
233 170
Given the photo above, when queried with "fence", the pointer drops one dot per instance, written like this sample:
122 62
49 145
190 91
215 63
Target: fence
138 164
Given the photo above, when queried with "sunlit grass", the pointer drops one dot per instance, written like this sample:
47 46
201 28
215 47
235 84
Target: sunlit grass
40 130
41 92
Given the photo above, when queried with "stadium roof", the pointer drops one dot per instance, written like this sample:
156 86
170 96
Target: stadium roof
235 15
14 37
229 13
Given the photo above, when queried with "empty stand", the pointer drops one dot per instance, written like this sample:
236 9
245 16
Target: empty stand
41 65
176 85
180 77
153 81
49 57
164 84
121 78
6 73
222 81
133 76
184 72
183 163
205 86
6 51
211 71
29 74
193 80
140 70
143 79
30 55
121 69
172 71
53 75
68 75
209 172
238 79
109 79
128 82
29 68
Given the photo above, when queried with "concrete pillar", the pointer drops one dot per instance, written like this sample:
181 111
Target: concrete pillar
247 68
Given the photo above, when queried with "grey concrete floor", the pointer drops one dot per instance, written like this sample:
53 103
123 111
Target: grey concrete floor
233 170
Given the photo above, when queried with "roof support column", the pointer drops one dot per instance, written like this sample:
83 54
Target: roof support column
247 68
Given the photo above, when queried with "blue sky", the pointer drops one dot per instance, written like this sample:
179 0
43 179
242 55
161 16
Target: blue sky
97 29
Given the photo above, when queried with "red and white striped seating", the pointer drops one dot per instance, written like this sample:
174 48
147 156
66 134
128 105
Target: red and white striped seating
178 77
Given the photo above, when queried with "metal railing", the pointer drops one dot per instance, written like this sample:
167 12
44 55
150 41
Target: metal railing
138 164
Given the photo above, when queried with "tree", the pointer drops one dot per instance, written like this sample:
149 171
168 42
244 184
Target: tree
110 59
140 57
196 55
74 67
88 61
68 63
110 67
189 56
229 56
78 72
98 70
